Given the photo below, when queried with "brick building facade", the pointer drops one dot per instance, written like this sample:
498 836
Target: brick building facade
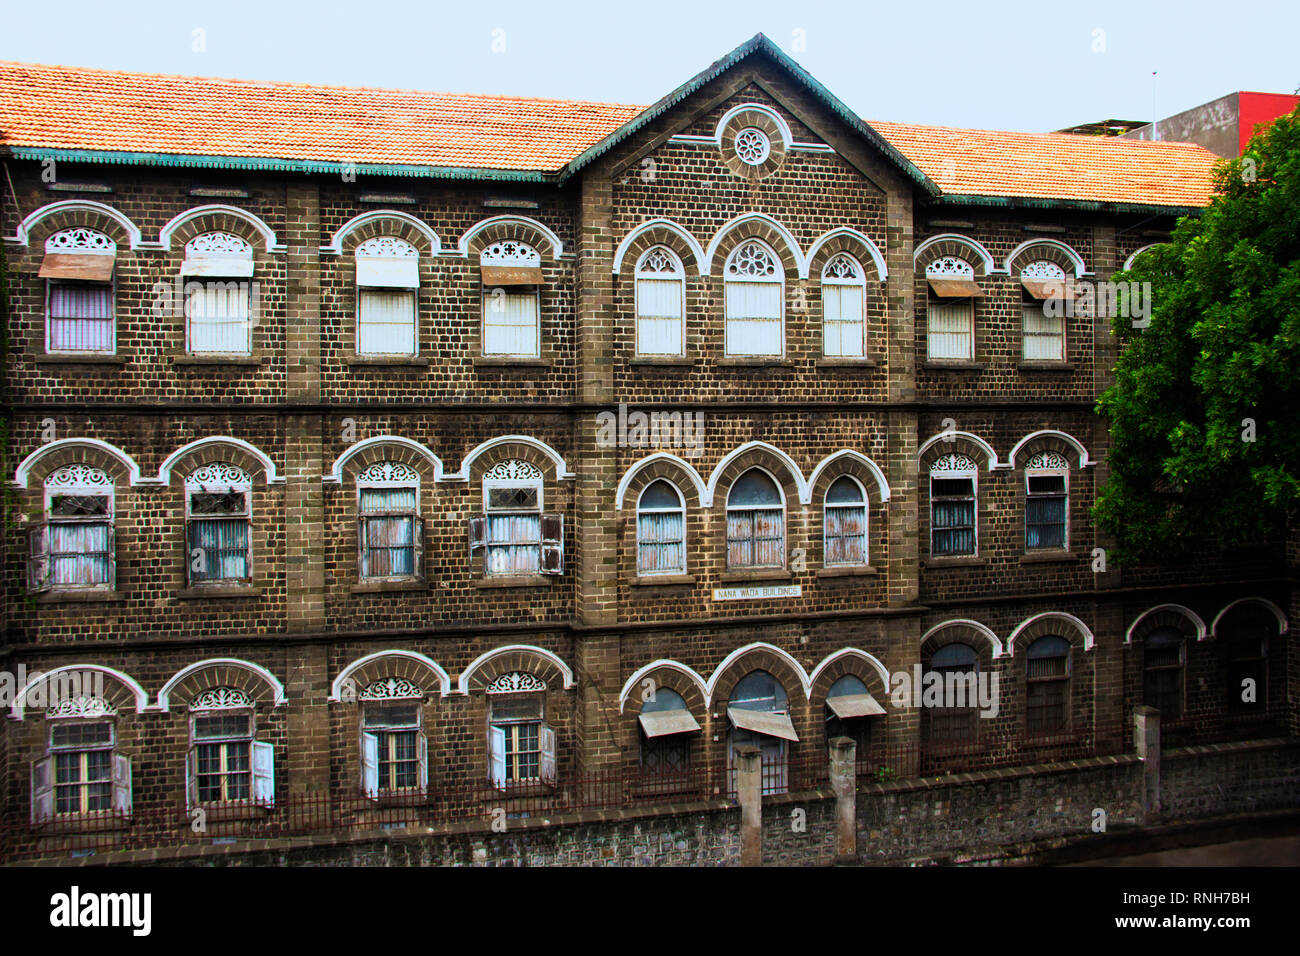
329 472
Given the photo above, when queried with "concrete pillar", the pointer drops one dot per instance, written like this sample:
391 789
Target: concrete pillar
1146 742
749 787
844 779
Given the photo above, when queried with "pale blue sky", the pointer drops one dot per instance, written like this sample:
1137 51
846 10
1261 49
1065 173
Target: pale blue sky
1027 65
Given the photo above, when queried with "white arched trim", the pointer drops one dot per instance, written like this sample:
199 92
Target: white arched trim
882 270
973 439
988 635
1193 618
463 245
670 226
782 126
444 680
791 467
25 466
740 652
1069 620
1084 460
882 484
1128 263
462 683
561 469
706 498
976 249
263 459
801 264
1282 624
23 232
18 707
853 652
265 231
688 672
164 695
356 222
1080 270
335 474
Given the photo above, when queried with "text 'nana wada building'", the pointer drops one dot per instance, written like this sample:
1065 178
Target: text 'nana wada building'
382 458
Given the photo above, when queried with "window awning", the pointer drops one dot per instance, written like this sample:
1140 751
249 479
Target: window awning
388 273
1048 288
93 267
233 267
854 705
660 723
949 288
763 722
511 275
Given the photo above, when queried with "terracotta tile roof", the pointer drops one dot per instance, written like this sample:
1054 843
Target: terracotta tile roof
71 108
56 107
1056 165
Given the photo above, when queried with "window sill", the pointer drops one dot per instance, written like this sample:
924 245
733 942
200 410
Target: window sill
378 587
954 366
188 359
849 571
394 361
764 574
653 360
962 562
510 361
1047 366
57 358
866 362
661 580
755 361
86 596
516 581
1049 557
227 812
93 822
217 592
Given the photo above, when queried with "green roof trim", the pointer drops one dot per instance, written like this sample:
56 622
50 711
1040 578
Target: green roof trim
38 153
757 43
1082 205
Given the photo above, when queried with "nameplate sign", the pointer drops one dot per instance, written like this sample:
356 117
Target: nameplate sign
754 593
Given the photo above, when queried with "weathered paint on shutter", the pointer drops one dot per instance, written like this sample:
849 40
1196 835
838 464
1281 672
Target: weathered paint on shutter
370 764
423 744
548 754
552 543
263 773
192 778
38 560
417 547
497 766
476 534
122 784
42 789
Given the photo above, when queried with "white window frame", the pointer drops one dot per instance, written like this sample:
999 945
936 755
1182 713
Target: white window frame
1048 471
370 742
857 281
777 278
212 479
91 482
417 524
677 275
393 252
511 253
680 511
949 267
201 253
537 484
785 523
971 472
1042 270
866 525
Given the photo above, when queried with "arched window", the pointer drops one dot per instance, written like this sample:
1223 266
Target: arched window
1047 676
755 300
755 522
521 742
82 773
759 712
660 302
952 507
226 763
394 749
1043 334
74 549
1246 649
218 520
512 277
950 316
517 537
1163 658
849 707
846 523
388 277
1047 476
218 296
390 530
660 530
843 308
78 269
956 667
666 727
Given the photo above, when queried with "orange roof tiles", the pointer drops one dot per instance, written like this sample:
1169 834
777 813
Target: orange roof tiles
58 107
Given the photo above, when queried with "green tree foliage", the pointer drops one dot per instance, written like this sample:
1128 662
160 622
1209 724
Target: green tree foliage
1222 351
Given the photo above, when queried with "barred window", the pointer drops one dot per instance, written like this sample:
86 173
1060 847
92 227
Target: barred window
1163 658
1045 510
661 530
514 528
390 533
760 692
856 728
1246 651
1047 673
755 522
952 507
74 548
391 732
667 752
846 523
660 302
222 756
957 665
219 520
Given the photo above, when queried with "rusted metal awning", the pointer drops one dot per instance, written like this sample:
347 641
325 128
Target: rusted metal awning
511 275
854 705
763 722
1048 288
94 267
661 723
377 272
947 288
